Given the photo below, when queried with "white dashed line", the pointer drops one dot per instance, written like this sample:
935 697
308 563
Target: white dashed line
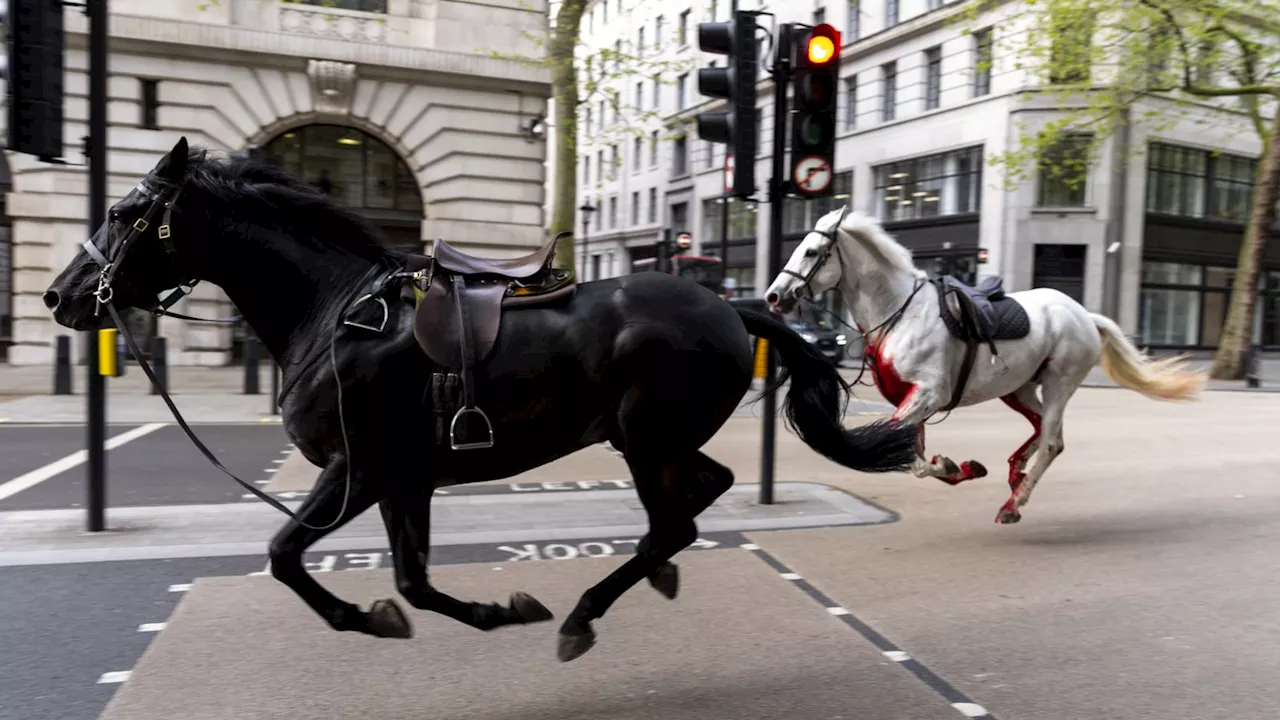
897 655
749 546
151 627
271 470
790 576
180 587
972 710
118 676
279 461
837 611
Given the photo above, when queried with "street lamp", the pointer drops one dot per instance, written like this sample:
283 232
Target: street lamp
587 209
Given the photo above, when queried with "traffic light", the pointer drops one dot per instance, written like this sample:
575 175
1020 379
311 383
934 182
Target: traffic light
33 72
736 83
813 127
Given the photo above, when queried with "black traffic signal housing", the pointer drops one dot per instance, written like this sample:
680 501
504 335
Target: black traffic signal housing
33 74
813 125
738 125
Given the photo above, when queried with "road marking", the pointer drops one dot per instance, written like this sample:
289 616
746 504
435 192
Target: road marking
180 587
279 461
29 480
118 676
790 576
944 689
151 627
271 470
749 546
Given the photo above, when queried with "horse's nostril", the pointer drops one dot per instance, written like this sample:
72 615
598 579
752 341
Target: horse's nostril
52 299
771 298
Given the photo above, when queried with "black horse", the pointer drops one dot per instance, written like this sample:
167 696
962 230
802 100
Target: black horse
651 363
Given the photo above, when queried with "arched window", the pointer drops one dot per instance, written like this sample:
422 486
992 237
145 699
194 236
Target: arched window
358 170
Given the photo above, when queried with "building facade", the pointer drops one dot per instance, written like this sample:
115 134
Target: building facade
928 98
398 108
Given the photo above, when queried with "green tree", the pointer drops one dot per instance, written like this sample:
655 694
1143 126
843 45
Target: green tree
1151 64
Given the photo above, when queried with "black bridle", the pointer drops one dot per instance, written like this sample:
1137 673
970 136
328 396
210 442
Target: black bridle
164 201
804 291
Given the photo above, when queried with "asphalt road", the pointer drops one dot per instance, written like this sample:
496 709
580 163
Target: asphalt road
160 468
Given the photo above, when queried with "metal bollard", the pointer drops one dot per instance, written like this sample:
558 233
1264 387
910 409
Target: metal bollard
1251 367
251 365
159 364
62 365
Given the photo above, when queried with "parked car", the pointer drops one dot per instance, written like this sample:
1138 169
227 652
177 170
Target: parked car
831 341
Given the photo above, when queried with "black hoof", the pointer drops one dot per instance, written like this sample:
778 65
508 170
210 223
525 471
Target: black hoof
572 647
388 621
666 580
977 469
949 467
528 609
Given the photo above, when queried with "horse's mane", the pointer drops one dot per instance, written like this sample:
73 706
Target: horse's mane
236 179
868 229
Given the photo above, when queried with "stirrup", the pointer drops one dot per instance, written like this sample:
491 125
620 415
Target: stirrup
453 430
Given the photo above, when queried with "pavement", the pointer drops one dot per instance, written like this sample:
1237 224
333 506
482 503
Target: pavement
1139 583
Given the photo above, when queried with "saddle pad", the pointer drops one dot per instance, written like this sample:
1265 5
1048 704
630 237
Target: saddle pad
1010 319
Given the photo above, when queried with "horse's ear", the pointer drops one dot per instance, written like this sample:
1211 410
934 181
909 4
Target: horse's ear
174 165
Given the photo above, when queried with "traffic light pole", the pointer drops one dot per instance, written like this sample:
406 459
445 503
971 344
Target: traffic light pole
781 81
96 393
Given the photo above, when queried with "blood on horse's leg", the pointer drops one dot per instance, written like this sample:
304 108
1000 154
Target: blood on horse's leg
919 404
1025 402
1057 391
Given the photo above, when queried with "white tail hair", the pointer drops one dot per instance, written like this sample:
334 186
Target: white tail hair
1129 367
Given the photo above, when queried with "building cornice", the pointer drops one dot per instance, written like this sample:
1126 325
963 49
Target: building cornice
240 45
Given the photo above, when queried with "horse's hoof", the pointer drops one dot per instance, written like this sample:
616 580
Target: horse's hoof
974 469
1008 517
388 621
572 647
528 609
666 580
949 467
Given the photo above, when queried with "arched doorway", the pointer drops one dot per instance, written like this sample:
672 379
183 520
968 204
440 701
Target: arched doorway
361 172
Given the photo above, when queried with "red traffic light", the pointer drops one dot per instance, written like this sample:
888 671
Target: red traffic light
823 45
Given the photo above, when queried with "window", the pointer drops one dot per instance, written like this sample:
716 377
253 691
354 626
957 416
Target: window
1061 267
1184 305
353 167
681 86
637 150
800 214
653 149
635 208
853 23
653 205
982 62
890 13
604 12
373 6
1064 173
1071 51
934 4
932 77
586 170
819 16
1198 183
613 162
640 42
890 97
586 120
948 183
600 166
851 102
657 93
613 212
682 30
657 34
680 217
639 97
680 157
150 103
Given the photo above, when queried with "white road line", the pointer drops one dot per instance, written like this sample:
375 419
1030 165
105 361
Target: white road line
790 576
279 461
749 546
29 480
118 676
151 627
972 710
837 611
897 655
180 587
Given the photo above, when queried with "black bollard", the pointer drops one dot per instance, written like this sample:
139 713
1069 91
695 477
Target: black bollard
251 365
62 365
159 364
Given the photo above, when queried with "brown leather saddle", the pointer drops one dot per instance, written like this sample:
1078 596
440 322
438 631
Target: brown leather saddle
461 300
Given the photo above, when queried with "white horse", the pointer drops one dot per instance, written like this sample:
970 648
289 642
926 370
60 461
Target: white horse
923 361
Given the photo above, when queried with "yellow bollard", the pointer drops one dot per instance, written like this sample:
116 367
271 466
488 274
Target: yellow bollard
762 358
108 354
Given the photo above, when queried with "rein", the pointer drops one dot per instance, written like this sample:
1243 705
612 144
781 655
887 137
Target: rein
105 295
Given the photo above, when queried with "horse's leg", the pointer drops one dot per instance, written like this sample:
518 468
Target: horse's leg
671 529
408 523
1025 402
919 405
325 503
710 481
1058 389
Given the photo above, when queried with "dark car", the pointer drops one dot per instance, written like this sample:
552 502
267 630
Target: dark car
830 340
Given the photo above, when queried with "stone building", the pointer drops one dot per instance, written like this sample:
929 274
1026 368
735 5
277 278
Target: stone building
399 108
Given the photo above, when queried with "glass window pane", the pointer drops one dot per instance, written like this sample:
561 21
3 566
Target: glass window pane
1169 317
1213 317
334 162
1219 276
380 175
1168 273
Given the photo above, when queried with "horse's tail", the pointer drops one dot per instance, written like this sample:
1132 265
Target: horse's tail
813 404
1159 379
